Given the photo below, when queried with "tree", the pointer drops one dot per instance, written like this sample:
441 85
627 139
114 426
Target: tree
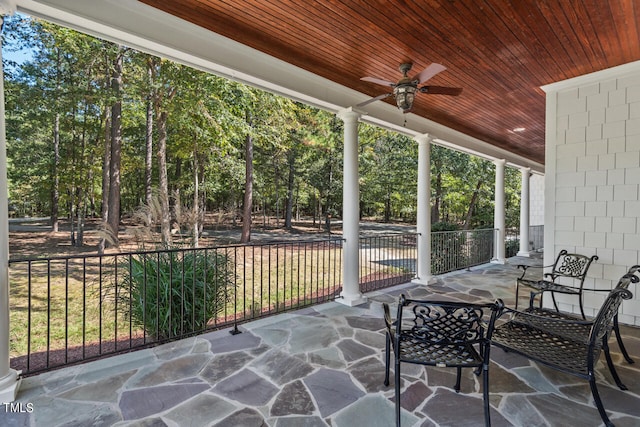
113 213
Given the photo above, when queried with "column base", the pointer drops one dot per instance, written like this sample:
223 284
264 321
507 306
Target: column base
9 386
499 261
429 280
351 300
525 254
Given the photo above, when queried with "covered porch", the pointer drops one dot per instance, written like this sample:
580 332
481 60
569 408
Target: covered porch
282 371
323 366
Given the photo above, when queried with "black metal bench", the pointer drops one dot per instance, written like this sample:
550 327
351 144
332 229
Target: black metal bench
567 344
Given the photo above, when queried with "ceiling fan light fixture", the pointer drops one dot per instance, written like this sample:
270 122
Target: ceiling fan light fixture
405 95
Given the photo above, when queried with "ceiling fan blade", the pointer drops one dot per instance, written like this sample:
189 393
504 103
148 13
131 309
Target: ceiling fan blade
378 81
377 98
429 72
441 90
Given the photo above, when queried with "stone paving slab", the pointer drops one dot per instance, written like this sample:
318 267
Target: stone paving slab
323 367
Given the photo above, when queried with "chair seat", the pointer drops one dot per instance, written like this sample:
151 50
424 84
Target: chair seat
416 350
545 285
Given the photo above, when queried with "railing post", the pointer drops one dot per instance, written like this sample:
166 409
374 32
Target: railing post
351 294
9 381
423 221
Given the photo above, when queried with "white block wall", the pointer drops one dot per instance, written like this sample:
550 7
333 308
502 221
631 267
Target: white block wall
592 179
536 197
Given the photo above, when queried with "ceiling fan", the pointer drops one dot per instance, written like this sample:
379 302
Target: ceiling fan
405 89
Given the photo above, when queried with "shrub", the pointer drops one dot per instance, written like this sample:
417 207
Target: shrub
172 293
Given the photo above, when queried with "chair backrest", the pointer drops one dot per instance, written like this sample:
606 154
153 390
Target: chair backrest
445 322
573 266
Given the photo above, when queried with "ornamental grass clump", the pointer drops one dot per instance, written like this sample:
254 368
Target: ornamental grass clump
176 292
172 291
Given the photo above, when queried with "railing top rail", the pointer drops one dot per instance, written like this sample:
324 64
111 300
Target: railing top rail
176 250
398 234
473 230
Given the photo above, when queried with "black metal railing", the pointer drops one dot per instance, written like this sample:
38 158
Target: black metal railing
456 250
387 260
66 310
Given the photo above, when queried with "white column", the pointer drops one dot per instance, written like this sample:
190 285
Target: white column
351 294
524 212
9 380
423 262
498 215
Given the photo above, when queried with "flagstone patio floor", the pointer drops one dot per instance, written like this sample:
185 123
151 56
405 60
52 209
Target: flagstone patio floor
322 366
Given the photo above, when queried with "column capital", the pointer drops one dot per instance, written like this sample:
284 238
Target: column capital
348 114
525 171
8 7
423 138
499 162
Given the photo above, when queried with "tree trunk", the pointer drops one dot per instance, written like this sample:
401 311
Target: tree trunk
106 161
435 210
472 204
80 207
55 193
148 160
387 206
165 215
248 191
290 182
196 204
175 201
113 215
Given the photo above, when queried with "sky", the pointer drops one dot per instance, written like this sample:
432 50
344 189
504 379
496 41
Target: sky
19 56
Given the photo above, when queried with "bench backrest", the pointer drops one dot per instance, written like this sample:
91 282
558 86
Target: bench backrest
603 322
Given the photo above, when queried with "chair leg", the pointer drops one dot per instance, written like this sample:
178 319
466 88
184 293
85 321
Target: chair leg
517 287
485 395
532 298
387 357
616 329
581 306
611 366
598 401
553 298
397 384
458 376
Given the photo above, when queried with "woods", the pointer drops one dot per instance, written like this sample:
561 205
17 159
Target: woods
97 130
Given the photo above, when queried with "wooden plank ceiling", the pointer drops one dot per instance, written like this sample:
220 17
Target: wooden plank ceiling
500 52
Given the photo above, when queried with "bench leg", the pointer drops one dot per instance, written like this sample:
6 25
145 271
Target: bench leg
458 376
485 395
596 398
397 384
612 368
616 329
387 361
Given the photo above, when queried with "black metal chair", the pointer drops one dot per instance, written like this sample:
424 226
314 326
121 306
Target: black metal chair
569 345
443 334
567 267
